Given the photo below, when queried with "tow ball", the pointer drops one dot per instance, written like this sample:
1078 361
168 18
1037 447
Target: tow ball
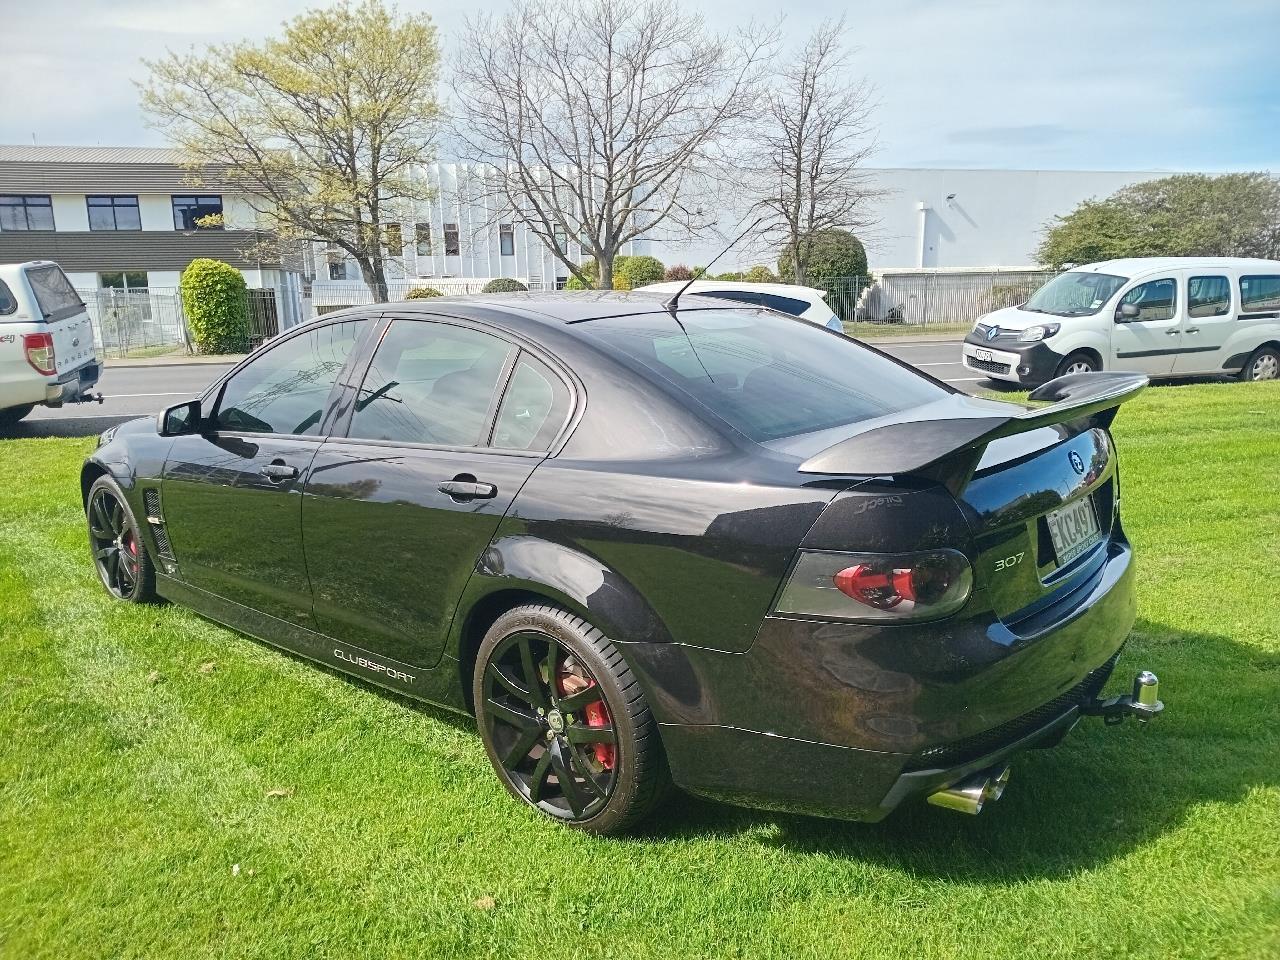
1143 704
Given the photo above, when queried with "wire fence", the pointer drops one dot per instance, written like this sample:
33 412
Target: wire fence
930 298
151 322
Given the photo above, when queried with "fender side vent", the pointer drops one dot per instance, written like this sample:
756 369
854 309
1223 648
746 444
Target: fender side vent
151 500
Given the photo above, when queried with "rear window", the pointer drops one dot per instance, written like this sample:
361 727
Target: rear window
1259 294
773 301
8 302
765 375
54 293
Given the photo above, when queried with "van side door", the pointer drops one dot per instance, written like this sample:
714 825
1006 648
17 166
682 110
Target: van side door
1210 321
1147 335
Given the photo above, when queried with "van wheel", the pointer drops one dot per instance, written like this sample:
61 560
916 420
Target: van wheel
1078 362
12 415
565 723
1263 365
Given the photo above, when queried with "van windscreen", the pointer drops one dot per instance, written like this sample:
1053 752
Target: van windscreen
1074 294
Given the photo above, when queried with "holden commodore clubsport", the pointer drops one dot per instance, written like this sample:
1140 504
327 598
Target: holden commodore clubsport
650 542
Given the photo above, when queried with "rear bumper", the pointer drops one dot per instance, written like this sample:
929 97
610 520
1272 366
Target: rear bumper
828 718
71 386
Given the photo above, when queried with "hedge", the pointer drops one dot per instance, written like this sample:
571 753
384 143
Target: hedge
504 285
216 300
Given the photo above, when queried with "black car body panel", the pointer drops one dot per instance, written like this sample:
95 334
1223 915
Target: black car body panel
667 528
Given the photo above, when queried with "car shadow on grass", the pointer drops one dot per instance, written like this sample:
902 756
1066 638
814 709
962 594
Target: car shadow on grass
1102 793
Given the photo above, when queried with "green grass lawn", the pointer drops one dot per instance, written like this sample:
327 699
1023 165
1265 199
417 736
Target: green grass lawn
171 789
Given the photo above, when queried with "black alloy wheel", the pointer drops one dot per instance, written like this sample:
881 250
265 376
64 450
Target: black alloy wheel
564 722
118 552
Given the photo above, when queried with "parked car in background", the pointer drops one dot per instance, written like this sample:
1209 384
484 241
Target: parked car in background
807 303
707 543
1162 316
47 352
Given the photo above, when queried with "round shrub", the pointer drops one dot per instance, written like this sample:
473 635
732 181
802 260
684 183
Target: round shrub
678 272
834 255
504 285
760 274
423 293
216 300
638 271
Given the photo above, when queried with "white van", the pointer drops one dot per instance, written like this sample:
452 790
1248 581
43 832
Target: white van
1163 316
47 353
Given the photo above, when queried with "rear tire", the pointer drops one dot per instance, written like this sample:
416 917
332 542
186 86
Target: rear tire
1078 362
10 416
555 701
1264 364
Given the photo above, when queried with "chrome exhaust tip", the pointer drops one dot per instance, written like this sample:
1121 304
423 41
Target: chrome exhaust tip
972 794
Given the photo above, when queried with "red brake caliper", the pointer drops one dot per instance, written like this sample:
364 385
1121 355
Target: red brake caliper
597 713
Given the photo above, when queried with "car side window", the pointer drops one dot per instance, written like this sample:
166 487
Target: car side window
737 296
1208 296
1259 294
533 408
285 389
1155 300
430 382
788 305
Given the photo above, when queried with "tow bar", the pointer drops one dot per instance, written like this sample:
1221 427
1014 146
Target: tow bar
1143 704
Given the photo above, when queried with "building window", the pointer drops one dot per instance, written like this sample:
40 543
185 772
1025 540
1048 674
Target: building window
561 282
197 213
26 212
507 239
124 280
337 261
422 239
560 238
393 239
451 246
114 213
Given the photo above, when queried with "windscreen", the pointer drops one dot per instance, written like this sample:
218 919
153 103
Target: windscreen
1074 294
766 375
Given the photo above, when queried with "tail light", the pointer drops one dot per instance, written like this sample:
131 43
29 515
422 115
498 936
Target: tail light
877 587
39 350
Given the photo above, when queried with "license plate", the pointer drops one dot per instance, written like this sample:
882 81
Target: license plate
1073 529
984 355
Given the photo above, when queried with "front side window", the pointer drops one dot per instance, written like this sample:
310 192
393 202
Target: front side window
507 239
285 390
198 212
113 213
422 239
26 212
430 383
533 408
1074 294
766 375
1208 296
54 293
451 245
1259 294
1155 300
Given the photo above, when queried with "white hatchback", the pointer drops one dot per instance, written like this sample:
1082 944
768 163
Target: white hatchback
807 303
47 351
1162 316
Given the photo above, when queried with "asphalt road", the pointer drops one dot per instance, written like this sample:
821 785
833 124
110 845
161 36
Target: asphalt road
138 391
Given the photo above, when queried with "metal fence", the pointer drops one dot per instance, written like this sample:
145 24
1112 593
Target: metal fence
152 322
327 296
931 297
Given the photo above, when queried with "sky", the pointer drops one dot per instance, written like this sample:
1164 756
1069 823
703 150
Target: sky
1090 85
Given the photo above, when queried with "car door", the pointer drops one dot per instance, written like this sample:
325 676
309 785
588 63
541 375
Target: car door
231 494
1147 336
447 424
1210 321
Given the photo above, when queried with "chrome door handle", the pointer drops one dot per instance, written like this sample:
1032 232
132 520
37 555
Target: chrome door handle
278 471
468 490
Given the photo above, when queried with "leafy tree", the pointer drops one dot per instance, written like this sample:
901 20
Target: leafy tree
639 270
760 274
323 127
833 255
216 300
1230 215
504 285
678 272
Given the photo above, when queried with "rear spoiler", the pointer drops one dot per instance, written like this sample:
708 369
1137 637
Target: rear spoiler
948 449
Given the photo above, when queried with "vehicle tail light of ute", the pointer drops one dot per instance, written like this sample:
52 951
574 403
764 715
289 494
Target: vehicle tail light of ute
38 348
877 587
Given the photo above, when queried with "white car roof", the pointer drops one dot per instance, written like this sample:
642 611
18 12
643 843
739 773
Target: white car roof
1133 266
702 286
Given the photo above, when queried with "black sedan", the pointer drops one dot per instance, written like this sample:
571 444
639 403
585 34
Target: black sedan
648 543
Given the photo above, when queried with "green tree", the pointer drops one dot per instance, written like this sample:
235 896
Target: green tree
216 300
323 127
1230 215
637 271
833 255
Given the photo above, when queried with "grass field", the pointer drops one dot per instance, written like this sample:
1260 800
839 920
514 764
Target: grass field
171 789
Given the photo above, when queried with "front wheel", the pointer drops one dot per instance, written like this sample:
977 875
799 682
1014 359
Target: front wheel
564 721
1078 362
1263 365
118 551
9 417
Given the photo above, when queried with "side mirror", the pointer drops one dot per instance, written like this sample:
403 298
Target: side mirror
180 419
1127 312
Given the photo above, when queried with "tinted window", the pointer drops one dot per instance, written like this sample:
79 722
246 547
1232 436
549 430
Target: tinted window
784 304
1208 296
26 212
430 383
114 213
8 302
187 211
285 389
1259 293
533 408
1155 300
53 291
766 375
737 296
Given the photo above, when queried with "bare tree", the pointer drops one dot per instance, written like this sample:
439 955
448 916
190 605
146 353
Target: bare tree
325 127
805 169
597 121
